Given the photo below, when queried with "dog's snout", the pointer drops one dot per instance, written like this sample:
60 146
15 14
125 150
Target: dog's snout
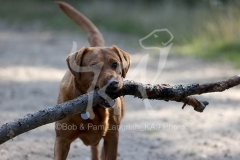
112 84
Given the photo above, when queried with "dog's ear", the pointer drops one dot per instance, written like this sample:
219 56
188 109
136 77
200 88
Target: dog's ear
74 61
125 59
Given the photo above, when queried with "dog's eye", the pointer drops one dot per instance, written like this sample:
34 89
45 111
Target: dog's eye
114 65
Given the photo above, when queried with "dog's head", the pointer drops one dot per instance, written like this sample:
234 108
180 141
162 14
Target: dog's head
99 67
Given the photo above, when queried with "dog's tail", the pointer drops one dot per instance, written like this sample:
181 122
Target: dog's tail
95 38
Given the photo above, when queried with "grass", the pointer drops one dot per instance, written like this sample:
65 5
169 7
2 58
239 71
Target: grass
190 154
27 13
217 37
210 32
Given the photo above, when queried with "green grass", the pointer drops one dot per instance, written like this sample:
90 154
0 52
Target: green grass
211 32
226 50
27 13
218 51
190 154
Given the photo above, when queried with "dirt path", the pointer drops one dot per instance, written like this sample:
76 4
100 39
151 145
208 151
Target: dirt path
33 63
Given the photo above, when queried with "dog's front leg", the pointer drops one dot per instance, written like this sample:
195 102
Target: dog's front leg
110 146
61 148
95 152
64 138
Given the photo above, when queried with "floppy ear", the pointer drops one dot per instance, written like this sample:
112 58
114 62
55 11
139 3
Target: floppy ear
74 62
125 59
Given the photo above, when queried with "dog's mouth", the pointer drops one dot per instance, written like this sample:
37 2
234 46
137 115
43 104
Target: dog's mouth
96 87
108 104
108 89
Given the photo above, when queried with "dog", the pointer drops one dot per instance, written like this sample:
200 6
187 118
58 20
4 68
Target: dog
112 64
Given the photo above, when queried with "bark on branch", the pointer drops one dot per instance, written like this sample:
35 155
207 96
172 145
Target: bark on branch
178 93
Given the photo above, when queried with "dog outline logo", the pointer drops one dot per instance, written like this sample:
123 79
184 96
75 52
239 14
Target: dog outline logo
163 54
155 34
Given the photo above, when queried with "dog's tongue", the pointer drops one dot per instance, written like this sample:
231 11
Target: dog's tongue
108 104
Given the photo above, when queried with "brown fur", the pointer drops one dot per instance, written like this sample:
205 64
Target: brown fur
75 82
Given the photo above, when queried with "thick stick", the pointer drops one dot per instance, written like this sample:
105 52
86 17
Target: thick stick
179 93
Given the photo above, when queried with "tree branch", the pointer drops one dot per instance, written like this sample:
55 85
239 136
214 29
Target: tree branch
178 93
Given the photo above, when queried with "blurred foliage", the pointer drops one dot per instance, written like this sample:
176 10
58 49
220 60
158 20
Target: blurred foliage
205 28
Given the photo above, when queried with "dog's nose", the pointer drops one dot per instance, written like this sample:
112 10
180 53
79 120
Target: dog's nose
112 84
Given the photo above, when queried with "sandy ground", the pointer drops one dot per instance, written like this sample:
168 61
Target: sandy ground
32 64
